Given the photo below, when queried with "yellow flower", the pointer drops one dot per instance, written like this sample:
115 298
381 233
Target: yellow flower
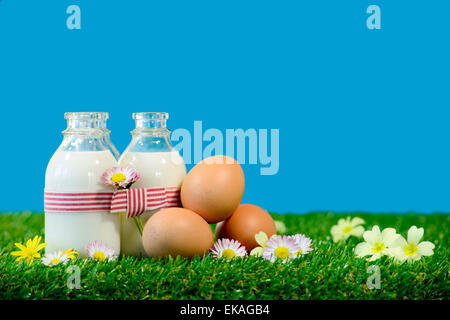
71 253
30 251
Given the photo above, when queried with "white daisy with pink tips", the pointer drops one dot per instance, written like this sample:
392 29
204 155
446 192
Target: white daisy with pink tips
304 244
229 249
121 177
281 248
99 251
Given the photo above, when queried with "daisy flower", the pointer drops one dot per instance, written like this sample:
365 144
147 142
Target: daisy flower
228 249
346 228
261 238
280 247
120 177
412 249
99 251
377 243
304 243
30 250
55 258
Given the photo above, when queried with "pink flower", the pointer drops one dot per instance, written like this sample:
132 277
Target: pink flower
120 177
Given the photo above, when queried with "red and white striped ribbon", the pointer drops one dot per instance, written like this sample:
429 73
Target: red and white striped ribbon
136 201
132 201
77 202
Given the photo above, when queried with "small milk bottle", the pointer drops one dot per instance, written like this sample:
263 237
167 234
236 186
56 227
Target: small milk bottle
151 154
76 201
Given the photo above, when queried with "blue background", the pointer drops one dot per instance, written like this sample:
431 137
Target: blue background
363 114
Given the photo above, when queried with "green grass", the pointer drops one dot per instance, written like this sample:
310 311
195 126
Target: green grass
331 271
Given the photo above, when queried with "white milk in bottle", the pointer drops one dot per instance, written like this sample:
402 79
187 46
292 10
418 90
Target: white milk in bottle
151 154
77 202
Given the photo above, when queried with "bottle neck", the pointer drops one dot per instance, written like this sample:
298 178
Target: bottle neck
86 131
150 134
151 124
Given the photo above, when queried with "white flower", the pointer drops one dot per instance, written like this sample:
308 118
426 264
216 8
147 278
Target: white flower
228 249
377 243
412 249
280 247
346 228
280 226
55 258
99 251
261 238
304 243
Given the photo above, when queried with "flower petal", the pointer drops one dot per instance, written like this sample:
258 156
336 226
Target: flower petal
372 236
357 221
396 252
415 234
358 231
261 238
17 253
363 249
389 236
41 246
257 252
425 248
399 242
20 246
376 256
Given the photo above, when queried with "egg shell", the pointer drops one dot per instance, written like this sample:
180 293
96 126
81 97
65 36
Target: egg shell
176 232
213 188
246 221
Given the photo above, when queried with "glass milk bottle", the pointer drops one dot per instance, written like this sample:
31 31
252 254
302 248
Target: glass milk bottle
76 200
151 154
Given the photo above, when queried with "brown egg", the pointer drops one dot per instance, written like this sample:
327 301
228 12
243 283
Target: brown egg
176 231
213 188
246 221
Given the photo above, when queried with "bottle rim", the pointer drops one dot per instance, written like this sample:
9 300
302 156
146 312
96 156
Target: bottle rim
151 116
86 115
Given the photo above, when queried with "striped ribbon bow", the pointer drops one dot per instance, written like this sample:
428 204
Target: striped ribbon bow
136 201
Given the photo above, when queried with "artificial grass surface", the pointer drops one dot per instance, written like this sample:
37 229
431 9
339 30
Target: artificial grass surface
331 271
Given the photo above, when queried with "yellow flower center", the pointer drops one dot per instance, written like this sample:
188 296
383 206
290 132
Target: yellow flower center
100 256
378 247
347 229
54 261
411 249
118 177
282 252
299 252
228 253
